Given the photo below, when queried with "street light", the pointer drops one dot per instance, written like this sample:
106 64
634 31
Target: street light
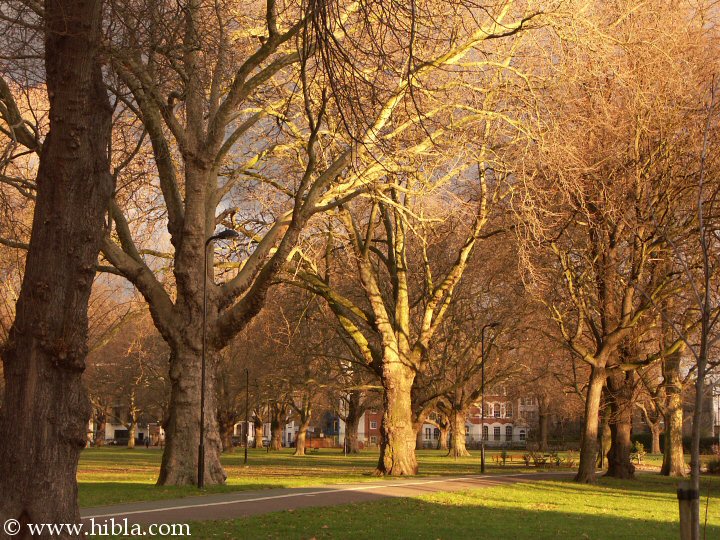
247 405
225 234
482 394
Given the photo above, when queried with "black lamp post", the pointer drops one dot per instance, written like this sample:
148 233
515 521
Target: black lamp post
247 405
222 235
269 417
482 394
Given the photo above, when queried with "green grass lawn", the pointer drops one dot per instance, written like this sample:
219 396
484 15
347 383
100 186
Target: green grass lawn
644 508
117 475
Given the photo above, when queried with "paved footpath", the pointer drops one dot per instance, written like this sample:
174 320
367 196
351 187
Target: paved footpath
248 503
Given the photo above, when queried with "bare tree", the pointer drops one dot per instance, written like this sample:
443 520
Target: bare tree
610 170
697 256
260 152
46 409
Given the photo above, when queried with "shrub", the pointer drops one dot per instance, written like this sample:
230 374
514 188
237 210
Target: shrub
646 440
706 444
638 452
713 466
555 459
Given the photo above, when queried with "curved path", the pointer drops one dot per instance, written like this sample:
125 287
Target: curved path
247 503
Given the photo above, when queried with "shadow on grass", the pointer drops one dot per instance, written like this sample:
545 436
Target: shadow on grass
649 485
413 518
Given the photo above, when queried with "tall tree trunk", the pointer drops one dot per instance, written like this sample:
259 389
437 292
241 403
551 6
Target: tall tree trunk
259 432
419 443
302 435
443 439
397 447
620 389
543 423
100 424
352 422
588 444
131 434
182 436
673 457
45 409
653 424
277 424
226 424
459 448
605 436
655 431
696 430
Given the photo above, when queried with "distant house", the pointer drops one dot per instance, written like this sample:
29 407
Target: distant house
116 429
327 425
507 422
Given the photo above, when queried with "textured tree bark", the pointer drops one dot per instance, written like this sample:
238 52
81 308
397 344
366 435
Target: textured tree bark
620 389
302 436
226 423
588 444
277 423
352 423
258 424
543 421
182 436
655 431
101 422
43 423
397 448
131 435
605 438
673 456
459 449
653 425
443 440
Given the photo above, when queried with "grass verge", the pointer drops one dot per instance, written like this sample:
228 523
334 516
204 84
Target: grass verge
612 509
118 475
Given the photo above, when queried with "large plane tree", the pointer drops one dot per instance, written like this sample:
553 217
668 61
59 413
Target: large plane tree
45 410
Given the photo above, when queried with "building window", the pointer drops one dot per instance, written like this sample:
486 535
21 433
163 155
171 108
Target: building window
496 433
428 433
436 434
373 439
497 411
373 424
485 433
522 434
508 433
508 410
